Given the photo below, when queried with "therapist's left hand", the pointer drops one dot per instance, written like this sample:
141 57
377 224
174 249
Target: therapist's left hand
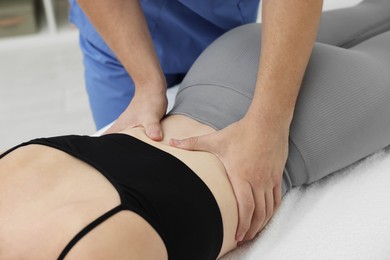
145 109
254 156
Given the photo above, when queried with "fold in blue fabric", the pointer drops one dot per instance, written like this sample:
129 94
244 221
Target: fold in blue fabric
180 29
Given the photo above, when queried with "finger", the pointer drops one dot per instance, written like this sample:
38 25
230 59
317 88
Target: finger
246 206
269 206
277 196
196 143
113 129
259 214
108 131
154 131
117 126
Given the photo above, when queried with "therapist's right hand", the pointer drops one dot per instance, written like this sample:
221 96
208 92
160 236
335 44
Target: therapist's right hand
145 109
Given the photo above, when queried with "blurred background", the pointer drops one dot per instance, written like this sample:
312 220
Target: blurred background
41 72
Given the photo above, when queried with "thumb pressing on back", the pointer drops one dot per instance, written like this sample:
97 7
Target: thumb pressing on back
154 131
196 143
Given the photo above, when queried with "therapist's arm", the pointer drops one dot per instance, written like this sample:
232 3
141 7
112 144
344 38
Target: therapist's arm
254 150
122 25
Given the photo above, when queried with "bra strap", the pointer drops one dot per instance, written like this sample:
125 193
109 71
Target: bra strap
88 228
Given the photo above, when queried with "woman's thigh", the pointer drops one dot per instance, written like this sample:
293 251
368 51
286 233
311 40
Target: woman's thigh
47 197
343 112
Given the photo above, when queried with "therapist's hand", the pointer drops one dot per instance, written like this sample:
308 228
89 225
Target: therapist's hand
145 109
254 156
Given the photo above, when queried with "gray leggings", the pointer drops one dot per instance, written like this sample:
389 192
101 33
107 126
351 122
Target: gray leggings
343 110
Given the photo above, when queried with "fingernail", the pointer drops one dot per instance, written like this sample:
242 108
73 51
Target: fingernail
155 134
175 141
240 238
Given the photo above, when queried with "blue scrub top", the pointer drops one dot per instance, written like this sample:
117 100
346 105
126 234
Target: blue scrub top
180 29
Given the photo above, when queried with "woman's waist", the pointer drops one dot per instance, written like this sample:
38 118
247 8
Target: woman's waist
211 171
204 164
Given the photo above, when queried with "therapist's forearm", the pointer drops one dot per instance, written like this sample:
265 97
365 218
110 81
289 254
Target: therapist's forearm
289 30
122 24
